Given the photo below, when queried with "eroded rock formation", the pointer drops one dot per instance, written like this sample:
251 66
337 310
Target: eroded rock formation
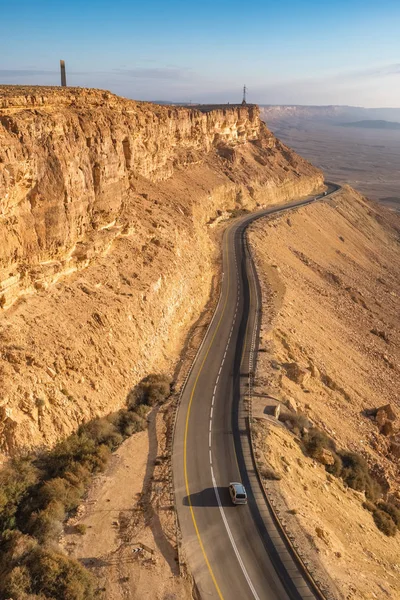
107 253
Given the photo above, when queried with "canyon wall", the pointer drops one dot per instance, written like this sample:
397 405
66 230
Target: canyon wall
108 245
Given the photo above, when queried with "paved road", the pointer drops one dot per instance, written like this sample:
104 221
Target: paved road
232 551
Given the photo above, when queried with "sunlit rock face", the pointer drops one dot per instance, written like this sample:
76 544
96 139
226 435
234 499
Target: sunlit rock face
107 248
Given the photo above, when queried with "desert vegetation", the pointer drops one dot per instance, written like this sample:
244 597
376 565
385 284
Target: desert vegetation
38 492
351 467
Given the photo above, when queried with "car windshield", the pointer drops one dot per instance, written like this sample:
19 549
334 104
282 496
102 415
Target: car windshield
240 495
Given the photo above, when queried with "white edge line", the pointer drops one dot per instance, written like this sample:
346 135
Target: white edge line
245 573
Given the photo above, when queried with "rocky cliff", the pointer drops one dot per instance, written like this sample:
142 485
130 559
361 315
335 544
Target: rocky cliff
108 249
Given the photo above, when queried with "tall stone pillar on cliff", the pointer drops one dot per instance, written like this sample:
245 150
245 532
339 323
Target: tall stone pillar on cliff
63 74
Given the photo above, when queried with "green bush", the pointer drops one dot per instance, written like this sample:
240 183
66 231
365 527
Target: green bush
392 511
16 479
18 583
60 490
77 448
36 493
103 431
57 576
44 526
384 522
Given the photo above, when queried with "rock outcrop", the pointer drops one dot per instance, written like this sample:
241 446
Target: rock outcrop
107 253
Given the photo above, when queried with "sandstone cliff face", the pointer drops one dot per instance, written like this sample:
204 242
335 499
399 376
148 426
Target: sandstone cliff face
106 255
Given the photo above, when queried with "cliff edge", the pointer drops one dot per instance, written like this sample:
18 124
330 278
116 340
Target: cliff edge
108 249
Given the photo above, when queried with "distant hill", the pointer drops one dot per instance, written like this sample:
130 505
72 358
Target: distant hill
326 114
373 124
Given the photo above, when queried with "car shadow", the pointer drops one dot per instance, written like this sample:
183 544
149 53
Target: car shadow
207 498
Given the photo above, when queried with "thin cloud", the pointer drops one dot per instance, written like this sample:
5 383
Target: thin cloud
24 72
170 73
382 71
166 73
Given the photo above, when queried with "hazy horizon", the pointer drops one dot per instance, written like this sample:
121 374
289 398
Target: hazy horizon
302 53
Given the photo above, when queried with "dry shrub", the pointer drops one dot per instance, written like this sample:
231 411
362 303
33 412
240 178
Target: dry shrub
131 421
337 467
370 506
45 574
61 491
44 526
18 583
103 431
153 389
60 577
299 421
36 493
356 475
80 528
269 473
384 522
78 448
392 510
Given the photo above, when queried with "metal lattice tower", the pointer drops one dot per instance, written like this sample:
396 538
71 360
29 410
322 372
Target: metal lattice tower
244 95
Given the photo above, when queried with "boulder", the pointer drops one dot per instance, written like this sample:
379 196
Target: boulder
277 411
297 373
291 404
395 449
322 534
314 371
387 429
381 418
390 412
326 457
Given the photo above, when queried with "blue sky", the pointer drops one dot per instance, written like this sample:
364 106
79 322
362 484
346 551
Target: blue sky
292 52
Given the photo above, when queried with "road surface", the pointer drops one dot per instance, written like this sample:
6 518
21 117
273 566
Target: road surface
232 551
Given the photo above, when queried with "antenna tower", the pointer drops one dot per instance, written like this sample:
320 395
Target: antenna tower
244 95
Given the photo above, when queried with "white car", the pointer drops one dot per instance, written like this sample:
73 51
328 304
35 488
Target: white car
237 493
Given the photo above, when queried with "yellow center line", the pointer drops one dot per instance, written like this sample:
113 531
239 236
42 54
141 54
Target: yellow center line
187 428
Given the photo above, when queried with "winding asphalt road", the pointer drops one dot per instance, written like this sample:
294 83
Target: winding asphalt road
233 552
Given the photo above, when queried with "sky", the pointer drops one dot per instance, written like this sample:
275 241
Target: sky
286 52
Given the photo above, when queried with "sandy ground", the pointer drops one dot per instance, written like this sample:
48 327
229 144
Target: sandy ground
129 506
130 539
330 275
328 522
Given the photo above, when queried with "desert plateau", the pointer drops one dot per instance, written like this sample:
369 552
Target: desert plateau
186 301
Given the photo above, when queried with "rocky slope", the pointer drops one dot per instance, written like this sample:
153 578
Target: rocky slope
330 275
107 214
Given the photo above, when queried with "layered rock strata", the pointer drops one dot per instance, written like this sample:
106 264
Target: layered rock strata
107 247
